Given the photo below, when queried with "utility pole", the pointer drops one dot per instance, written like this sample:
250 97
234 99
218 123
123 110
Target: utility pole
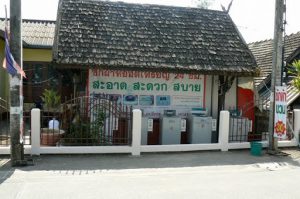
276 69
16 110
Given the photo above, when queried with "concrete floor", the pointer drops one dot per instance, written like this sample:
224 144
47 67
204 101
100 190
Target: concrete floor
209 174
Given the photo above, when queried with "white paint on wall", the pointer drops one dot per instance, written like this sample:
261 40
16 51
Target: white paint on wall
215 95
208 97
230 97
246 83
35 131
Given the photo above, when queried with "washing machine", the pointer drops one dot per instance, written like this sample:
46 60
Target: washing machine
200 128
170 128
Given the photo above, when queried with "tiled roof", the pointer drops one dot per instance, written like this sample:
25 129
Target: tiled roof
262 51
116 34
36 33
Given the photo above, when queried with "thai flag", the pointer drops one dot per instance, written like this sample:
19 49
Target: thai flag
9 62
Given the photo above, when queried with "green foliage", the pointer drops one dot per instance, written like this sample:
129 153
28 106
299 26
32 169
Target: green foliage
295 71
99 121
51 98
204 3
87 133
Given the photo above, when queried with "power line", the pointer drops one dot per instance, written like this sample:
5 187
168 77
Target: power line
40 82
44 67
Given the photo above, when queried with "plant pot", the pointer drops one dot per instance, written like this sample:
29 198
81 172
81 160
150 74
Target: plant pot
50 137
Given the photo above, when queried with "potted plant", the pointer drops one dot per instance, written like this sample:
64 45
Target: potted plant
51 135
51 99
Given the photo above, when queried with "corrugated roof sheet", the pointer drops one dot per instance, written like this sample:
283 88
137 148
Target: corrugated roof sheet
292 95
36 33
116 34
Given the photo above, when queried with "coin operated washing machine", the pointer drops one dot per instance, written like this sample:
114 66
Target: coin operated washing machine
200 127
170 128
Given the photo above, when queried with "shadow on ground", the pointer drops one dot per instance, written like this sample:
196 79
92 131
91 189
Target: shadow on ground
152 160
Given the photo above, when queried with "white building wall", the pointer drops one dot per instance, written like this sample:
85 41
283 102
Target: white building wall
246 82
208 95
211 95
214 94
231 96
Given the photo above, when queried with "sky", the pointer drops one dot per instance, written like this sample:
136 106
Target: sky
254 18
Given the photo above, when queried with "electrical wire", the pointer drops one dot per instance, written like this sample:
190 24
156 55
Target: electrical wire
266 86
40 82
27 70
287 44
284 45
283 66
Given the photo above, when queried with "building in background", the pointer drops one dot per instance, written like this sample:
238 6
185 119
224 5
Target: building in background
262 50
37 38
156 57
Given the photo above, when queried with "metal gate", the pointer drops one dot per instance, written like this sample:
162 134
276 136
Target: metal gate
243 129
88 121
4 123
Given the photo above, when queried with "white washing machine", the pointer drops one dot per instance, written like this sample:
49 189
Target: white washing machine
170 128
200 129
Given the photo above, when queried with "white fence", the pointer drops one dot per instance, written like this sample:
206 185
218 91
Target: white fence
136 148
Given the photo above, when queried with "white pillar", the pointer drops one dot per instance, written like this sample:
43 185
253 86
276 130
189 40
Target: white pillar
297 124
136 132
224 130
35 131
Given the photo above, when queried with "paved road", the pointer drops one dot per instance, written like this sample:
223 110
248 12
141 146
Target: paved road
234 174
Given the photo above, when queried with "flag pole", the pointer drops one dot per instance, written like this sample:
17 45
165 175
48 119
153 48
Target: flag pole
5 21
16 112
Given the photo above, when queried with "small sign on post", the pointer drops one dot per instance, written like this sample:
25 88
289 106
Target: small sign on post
150 125
280 112
183 125
214 124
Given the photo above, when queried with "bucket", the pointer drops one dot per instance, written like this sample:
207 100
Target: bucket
256 148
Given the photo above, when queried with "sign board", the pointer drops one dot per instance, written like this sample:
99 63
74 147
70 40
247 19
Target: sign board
280 112
151 91
150 125
214 124
183 125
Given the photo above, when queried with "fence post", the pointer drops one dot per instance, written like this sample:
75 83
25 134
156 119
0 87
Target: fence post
224 130
35 131
297 124
136 132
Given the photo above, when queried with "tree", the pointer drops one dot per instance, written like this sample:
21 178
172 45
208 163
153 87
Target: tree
207 3
295 72
204 3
